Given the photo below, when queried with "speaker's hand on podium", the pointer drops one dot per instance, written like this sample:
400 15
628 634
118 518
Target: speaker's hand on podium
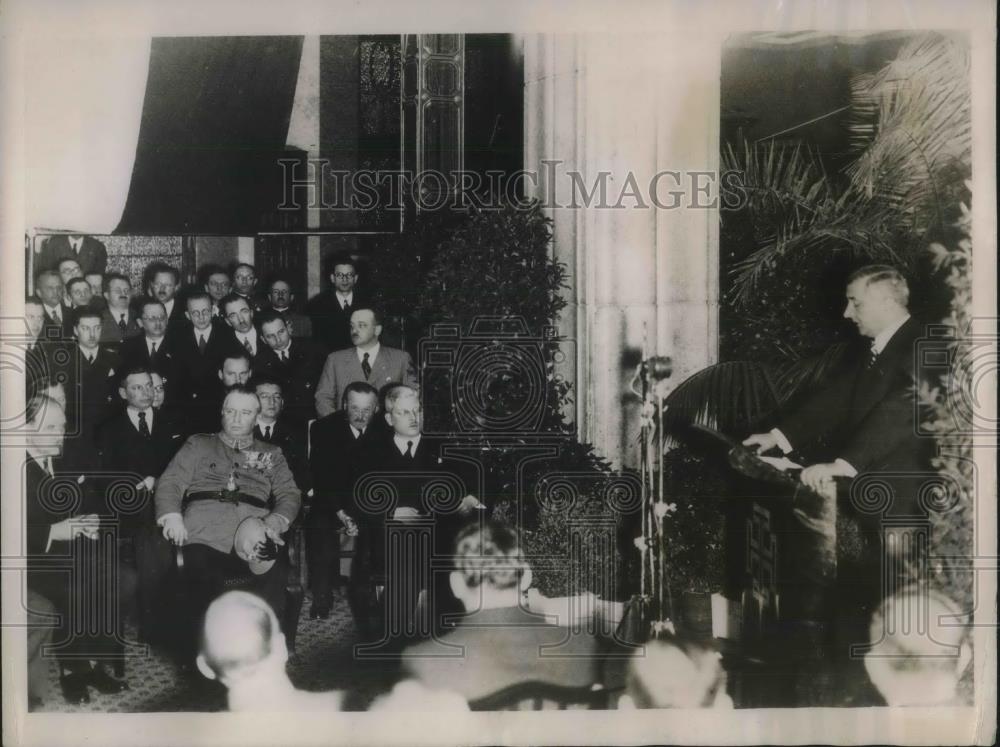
763 441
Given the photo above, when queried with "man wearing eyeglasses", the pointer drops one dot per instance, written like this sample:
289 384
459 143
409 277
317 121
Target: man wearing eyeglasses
331 310
153 348
275 426
199 349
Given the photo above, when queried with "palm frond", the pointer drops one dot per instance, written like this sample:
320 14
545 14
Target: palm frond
809 373
911 127
728 396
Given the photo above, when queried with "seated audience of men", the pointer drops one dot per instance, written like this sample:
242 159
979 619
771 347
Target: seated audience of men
214 483
135 445
281 298
503 644
295 362
243 647
338 444
368 360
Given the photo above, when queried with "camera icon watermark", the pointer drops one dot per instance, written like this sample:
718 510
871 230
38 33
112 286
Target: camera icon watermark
499 379
43 365
963 367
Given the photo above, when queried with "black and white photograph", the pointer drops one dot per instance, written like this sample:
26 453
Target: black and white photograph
376 374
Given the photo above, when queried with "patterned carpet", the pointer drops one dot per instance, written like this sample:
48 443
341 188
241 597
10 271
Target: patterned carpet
323 660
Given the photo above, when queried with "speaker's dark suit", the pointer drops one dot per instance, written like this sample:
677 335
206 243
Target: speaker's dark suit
126 455
330 323
866 416
333 460
93 255
198 391
63 571
298 375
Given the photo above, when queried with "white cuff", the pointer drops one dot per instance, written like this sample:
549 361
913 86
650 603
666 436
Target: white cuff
163 519
847 467
783 443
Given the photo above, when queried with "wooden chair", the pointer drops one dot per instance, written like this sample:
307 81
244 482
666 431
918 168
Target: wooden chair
536 695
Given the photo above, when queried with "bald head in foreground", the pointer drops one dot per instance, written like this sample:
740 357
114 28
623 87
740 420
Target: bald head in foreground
242 647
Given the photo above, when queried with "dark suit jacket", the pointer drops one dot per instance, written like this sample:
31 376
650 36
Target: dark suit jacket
198 372
111 333
41 512
125 454
342 367
290 435
331 326
300 324
52 329
135 353
298 375
865 415
503 647
334 460
93 256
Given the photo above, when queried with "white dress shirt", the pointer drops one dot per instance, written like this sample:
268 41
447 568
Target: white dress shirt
342 299
401 442
159 344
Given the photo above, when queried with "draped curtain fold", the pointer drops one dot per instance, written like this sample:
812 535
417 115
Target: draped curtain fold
214 124
82 110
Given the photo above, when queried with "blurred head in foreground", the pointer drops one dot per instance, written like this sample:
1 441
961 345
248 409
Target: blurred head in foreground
411 695
675 673
491 570
919 648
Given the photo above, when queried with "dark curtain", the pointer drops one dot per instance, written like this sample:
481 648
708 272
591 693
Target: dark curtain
214 124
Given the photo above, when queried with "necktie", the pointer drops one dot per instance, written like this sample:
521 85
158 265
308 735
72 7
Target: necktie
284 356
122 324
347 307
246 344
201 343
57 314
90 360
409 450
143 426
267 433
152 351
366 366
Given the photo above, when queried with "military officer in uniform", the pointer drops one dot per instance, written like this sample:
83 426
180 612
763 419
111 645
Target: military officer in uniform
210 486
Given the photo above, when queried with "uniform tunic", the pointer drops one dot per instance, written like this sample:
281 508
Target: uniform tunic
205 463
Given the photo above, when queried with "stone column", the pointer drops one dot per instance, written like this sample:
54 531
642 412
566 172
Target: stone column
612 112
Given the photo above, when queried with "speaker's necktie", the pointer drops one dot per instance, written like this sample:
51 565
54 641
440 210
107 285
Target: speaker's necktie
143 425
366 366
201 344
872 356
122 324
409 450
